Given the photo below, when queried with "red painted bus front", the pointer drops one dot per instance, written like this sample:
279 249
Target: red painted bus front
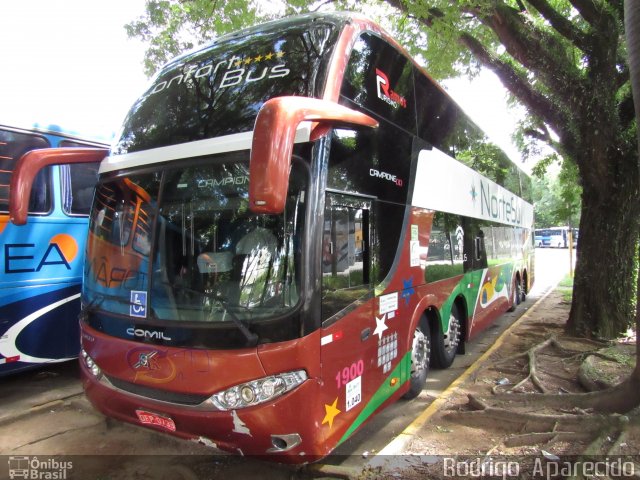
193 375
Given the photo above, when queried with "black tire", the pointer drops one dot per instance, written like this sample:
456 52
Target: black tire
420 360
523 290
513 299
444 349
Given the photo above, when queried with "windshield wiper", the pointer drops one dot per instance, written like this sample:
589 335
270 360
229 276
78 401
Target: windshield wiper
251 337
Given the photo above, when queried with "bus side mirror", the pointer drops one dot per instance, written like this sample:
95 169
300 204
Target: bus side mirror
31 163
273 139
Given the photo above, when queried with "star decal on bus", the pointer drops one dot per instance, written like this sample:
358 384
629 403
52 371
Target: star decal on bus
380 326
256 59
473 193
330 413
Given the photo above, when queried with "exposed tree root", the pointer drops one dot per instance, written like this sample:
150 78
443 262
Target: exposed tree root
619 399
530 355
546 437
586 380
601 398
535 422
592 341
598 418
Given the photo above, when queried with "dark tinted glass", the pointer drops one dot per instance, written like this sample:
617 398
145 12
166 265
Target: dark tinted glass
219 90
211 257
380 79
372 162
437 115
78 182
445 126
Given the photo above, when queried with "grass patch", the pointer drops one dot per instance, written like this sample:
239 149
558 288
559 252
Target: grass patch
565 287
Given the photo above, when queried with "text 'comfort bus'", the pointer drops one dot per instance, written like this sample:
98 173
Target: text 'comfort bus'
293 225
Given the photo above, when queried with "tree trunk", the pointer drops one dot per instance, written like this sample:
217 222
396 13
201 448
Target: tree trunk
604 277
604 281
632 34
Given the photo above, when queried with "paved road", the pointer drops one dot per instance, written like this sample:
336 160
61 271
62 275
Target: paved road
44 413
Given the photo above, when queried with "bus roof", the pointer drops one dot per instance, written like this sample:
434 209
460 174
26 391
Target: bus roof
54 129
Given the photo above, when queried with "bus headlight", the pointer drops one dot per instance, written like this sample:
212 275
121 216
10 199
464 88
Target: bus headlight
91 364
258 391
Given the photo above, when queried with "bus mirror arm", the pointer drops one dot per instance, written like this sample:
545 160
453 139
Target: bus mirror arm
31 163
273 139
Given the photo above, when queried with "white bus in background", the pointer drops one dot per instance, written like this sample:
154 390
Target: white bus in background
556 237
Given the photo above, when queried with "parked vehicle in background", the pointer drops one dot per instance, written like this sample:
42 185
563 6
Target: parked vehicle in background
42 261
290 230
556 237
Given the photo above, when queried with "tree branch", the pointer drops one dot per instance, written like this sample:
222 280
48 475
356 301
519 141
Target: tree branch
589 11
561 24
618 6
537 51
544 135
626 111
537 103
426 20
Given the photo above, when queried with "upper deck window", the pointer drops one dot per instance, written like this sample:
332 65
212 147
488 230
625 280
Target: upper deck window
219 90
380 79
12 146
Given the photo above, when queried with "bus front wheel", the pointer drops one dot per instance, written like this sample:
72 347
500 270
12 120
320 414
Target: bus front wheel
420 359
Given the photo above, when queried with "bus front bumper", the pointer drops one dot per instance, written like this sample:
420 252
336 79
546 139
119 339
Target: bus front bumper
277 431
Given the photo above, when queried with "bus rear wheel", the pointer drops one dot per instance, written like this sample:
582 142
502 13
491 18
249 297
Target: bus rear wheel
516 294
420 360
445 347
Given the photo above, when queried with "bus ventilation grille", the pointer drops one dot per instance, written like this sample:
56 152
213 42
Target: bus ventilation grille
156 394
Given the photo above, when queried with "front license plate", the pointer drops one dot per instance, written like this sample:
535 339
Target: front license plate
148 418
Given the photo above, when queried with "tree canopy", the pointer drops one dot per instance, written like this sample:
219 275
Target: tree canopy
564 60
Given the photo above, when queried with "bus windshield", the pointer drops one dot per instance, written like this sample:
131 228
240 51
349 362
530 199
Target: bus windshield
184 241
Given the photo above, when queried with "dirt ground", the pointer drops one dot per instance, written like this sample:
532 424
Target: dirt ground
503 439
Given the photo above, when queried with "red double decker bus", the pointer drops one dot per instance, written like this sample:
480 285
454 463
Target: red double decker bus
294 225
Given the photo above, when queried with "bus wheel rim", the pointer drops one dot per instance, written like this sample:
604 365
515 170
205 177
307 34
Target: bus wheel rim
419 353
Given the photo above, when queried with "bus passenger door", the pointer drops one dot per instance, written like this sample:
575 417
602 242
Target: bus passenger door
348 345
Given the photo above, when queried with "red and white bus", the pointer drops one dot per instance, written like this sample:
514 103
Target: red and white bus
294 225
